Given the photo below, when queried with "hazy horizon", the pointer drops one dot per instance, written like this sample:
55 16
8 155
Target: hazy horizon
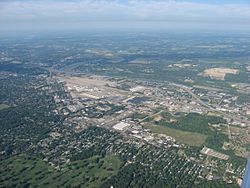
38 15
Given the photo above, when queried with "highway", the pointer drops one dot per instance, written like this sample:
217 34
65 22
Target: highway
230 116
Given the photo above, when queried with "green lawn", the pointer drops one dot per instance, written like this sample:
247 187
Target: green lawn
22 170
185 137
3 106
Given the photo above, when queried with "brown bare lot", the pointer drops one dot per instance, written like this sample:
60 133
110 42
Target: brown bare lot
219 73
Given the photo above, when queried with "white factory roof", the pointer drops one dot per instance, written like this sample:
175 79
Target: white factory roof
137 88
120 126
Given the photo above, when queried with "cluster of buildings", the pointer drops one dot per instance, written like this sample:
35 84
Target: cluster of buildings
112 107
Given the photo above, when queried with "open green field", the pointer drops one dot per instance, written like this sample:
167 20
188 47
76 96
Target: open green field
185 137
24 171
3 106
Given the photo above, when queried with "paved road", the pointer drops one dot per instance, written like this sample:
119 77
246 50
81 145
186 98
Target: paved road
157 113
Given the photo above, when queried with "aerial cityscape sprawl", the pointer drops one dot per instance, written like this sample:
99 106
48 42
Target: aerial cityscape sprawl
124 110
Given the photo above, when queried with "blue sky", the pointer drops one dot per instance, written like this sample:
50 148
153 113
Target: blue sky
220 1
37 14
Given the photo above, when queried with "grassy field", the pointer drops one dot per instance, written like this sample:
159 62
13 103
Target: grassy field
21 171
3 106
185 137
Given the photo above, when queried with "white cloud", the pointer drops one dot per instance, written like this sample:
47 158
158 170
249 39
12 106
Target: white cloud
53 11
